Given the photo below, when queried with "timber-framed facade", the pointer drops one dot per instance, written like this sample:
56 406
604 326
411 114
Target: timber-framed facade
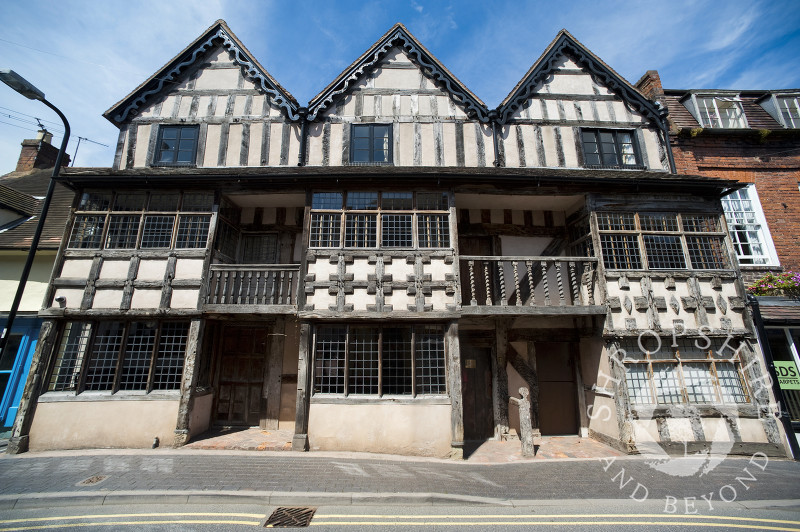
377 270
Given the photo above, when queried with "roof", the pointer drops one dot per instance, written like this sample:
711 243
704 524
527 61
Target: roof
33 185
217 34
399 35
757 117
565 44
779 310
19 202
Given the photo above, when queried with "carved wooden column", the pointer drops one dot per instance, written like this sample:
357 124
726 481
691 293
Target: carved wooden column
533 383
18 443
300 440
194 344
454 387
500 382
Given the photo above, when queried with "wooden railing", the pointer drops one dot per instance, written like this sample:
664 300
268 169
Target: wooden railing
527 281
253 284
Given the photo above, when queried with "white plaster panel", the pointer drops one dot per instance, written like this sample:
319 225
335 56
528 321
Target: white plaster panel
221 107
76 268
602 112
152 270
233 154
552 109
449 137
644 430
571 84
424 105
167 104
568 143
202 106
335 158
360 299
294 145
529 143
398 269
715 429
361 268
238 104
509 139
323 269
321 299
189 269
275 139
348 104
212 144
270 215
399 300
314 146
145 298
548 139
114 269
73 297
439 299
397 78
405 155
182 298
651 144
103 424
470 151
437 269
411 429
110 298
254 150
142 141
680 429
534 109
752 430
258 104
186 106
217 78
428 154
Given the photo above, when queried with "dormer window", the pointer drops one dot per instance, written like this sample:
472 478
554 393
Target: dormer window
177 146
719 112
790 111
371 144
610 148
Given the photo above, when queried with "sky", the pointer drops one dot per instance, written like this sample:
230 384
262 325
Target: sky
86 56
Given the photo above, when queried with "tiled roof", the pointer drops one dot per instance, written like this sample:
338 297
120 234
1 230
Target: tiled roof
781 309
17 201
757 117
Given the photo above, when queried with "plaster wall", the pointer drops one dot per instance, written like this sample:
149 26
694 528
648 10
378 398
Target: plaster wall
11 265
200 417
102 424
408 429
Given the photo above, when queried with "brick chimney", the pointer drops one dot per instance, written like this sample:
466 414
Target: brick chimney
650 85
39 154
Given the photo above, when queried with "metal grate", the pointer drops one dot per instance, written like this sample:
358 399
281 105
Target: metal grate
288 517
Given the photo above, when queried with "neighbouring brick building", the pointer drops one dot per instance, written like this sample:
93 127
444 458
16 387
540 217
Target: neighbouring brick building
750 136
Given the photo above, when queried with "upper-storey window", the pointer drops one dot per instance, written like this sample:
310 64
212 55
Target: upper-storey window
661 241
610 148
720 112
371 144
177 145
748 228
131 220
380 220
790 110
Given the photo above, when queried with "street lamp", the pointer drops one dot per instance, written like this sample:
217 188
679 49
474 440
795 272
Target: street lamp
22 86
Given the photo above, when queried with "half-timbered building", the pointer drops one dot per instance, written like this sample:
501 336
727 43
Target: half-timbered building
381 269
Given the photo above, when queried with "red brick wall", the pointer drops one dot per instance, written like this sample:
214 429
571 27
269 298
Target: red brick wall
772 163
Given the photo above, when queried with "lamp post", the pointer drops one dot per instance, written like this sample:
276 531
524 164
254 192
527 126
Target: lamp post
22 86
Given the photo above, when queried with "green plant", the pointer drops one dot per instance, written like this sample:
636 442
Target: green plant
771 284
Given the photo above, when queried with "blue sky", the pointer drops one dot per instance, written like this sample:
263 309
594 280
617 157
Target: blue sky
85 56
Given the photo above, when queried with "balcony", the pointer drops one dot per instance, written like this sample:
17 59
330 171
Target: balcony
528 285
252 288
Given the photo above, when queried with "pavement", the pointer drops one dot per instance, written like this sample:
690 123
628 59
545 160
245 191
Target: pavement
203 476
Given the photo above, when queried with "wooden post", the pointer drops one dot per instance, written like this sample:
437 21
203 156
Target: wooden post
18 443
582 412
454 388
525 428
500 382
190 370
534 386
300 440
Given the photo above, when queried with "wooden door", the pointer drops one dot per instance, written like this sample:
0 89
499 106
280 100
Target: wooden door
476 392
558 394
242 361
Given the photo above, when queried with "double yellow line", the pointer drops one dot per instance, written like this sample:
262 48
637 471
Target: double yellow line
698 521
198 518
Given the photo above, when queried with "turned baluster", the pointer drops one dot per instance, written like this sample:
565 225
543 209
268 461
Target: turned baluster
529 268
574 284
488 284
560 282
473 301
516 284
545 283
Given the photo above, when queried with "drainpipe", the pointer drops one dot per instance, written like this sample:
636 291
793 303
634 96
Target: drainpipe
663 112
303 112
493 116
776 389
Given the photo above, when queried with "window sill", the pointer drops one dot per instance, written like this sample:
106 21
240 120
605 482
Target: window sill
351 163
743 410
92 396
615 167
375 400
174 165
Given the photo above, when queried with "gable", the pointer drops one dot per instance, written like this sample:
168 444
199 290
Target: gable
568 68
398 50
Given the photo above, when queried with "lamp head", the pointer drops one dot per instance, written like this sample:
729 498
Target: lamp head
20 84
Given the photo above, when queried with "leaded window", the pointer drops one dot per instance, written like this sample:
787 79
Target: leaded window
610 148
662 241
361 360
113 355
683 371
380 220
139 220
371 144
177 145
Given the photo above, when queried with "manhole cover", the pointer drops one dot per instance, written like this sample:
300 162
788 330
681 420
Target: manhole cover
286 517
91 481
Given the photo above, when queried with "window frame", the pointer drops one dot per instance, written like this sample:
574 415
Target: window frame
371 128
635 236
86 353
93 227
344 364
639 164
758 227
681 364
179 128
789 121
703 115
330 228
